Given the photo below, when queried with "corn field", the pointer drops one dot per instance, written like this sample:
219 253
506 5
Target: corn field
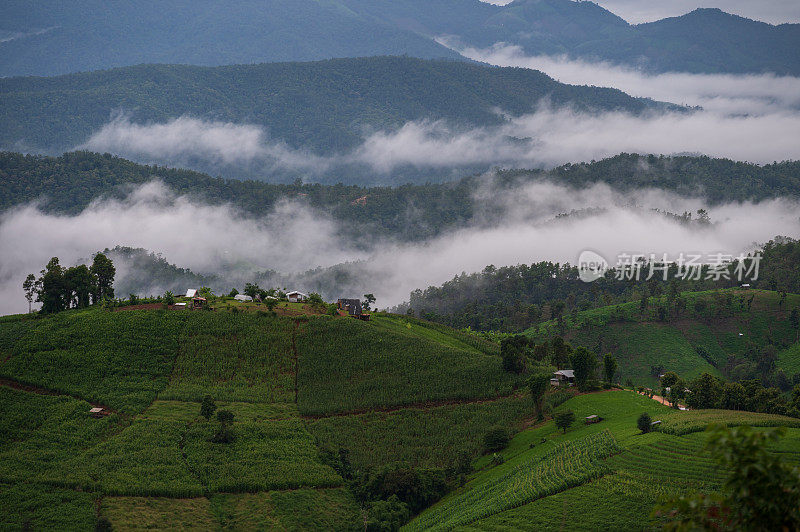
568 465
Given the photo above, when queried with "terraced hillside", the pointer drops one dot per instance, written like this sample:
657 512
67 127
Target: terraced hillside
603 476
153 463
323 408
711 327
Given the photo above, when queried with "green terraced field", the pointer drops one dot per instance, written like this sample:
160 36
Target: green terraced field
391 391
433 437
615 485
568 464
234 357
346 366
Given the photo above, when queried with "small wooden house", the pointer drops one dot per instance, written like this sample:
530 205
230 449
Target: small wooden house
594 418
351 306
97 411
564 376
296 297
198 303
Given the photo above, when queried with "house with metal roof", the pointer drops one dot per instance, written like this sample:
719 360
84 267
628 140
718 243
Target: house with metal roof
563 376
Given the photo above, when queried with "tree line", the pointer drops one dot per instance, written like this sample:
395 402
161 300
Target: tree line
58 288
708 391
514 298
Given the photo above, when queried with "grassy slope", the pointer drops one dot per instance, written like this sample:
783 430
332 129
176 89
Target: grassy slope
427 438
349 365
641 342
646 468
155 465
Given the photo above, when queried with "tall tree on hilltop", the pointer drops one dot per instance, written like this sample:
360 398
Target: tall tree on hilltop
79 284
103 269
53 285
31 287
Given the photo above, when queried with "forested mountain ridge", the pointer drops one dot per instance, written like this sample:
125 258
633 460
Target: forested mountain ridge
67 184
49 37
512 298
323 106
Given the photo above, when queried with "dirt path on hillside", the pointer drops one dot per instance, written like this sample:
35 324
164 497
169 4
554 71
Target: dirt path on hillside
31 388
663 401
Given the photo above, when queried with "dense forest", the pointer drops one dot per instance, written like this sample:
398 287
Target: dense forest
324 106
67 184
45 38
513 298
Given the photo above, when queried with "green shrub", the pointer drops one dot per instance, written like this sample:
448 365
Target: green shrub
644 422
388 515
496 439
564 420
207 407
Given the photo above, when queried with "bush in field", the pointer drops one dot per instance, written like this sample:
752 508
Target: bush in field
207 407
417 488
225 432
103 525
496 439
390 514
463 464
564 420
644 422
169 298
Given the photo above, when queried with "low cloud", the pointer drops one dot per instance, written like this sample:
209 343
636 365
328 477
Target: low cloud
218 240
202 237
722 93
550 137
545 138
8 36
184 139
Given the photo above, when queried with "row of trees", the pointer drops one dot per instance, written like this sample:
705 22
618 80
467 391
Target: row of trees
58 288
708 391
520 353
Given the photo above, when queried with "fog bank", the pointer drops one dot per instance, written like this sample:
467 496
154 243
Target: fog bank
293 239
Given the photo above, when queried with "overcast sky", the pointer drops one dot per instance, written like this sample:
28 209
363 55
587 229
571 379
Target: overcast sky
636 11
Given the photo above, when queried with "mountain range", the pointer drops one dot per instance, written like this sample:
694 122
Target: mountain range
325 107
49 37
